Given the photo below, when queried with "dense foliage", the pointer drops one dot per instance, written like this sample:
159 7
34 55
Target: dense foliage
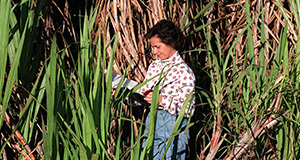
57 102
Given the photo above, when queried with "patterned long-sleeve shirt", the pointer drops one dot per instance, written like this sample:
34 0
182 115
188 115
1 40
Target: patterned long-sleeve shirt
178 81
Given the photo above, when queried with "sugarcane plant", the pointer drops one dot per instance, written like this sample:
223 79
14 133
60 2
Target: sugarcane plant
57 99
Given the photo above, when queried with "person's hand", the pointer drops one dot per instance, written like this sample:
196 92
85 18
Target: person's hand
148 96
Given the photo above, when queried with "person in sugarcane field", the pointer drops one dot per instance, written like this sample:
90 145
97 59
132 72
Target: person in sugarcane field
176 82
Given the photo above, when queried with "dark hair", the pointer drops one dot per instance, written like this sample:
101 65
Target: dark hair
169 34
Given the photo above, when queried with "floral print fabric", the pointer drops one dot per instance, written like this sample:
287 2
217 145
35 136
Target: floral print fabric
177 82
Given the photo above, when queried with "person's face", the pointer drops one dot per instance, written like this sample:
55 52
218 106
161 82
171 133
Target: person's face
162 50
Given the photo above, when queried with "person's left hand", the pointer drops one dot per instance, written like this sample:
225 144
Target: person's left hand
148 96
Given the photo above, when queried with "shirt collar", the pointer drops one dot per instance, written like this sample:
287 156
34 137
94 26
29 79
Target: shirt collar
174 58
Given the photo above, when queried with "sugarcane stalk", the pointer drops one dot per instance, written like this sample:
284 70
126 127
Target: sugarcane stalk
19 136
244 144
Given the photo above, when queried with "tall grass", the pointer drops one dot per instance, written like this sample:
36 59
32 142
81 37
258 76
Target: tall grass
254 97
17 41
4 33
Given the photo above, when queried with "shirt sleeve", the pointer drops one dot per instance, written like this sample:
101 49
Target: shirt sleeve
151 72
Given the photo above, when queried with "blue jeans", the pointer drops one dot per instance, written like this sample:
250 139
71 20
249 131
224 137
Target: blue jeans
164 126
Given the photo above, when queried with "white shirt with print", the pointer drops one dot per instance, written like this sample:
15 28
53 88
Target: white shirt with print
177 82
